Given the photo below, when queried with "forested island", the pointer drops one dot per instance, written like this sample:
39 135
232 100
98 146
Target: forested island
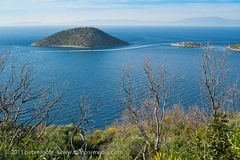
83 37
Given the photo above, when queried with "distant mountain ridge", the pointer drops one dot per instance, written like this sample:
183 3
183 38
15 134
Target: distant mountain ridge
208 21
83 37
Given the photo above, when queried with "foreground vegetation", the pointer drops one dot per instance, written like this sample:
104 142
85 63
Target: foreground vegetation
186 135
151 127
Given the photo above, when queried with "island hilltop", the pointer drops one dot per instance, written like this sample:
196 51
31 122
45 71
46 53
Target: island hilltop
83 37
189 44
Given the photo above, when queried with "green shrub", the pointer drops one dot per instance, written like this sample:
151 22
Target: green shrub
126 145
235 142
218 133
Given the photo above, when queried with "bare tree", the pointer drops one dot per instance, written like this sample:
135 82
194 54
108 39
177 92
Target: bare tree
132 112
22 105
159 93
214 81
153 104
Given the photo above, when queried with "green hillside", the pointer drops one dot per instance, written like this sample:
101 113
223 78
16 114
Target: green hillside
84 37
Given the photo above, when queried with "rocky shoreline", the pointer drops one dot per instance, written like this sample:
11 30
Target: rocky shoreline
189 44
234 48
61 46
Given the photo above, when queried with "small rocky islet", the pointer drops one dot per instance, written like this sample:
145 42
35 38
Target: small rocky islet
82 37
234 47
189 44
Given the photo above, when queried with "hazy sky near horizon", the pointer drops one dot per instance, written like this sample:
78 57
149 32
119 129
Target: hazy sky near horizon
64 12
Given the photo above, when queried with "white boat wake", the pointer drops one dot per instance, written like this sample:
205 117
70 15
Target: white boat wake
99 50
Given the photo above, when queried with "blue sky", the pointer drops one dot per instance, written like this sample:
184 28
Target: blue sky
63 12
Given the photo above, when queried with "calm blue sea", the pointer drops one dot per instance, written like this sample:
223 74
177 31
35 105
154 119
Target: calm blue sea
97 73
